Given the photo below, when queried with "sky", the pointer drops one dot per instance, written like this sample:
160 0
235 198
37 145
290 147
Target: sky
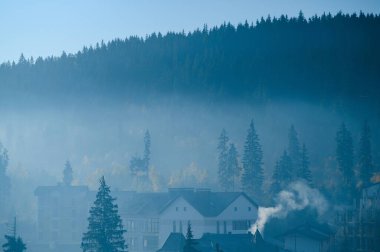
48 27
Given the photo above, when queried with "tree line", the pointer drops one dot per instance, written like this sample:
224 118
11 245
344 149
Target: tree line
356 172
327 56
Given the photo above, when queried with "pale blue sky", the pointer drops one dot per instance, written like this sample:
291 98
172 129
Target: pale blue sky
47 27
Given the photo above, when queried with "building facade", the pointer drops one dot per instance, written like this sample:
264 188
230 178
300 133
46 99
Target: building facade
149 218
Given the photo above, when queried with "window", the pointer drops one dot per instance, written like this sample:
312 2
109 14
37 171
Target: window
176 209
241 225
184 209
217 227
225 227
235 209
249 209
180 227
151 226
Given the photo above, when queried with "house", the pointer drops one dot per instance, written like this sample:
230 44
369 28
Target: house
148 217
308 238
151 217
246 242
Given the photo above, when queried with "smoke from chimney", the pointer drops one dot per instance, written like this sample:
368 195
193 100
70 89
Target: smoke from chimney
297 197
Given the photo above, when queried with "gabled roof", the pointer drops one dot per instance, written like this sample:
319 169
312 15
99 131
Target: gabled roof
141 204
210 204
207 203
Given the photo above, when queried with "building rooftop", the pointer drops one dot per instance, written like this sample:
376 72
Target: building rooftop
207 203
226 242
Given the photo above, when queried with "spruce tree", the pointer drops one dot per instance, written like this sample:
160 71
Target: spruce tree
4 183
13 244
68 174
232 168
276 179
147 143
222 160
189 242
345 158
294 150
253 175
304 170
365 164
105 228
282 175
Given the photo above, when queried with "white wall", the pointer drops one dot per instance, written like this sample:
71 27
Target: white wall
180 211
241 209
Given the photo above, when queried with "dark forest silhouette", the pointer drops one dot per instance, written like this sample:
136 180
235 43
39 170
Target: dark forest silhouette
318 58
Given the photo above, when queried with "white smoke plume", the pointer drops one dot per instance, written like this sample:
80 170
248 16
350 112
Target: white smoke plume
297 197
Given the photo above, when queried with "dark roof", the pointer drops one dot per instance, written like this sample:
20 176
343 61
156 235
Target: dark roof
312 231
211 204
207 203
174 243
226 242
142 204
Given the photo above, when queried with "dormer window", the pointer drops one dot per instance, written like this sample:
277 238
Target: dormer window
235 209
249 209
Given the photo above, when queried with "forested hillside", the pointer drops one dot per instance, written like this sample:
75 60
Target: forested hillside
322 58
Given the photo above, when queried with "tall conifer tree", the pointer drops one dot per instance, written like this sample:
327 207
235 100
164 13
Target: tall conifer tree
282 175
365 164
253 175
68 174
345 158
147 143
223 159
304 170
105 229
233 169
5 184
294 150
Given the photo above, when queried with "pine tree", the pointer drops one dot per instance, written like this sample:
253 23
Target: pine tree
294 150
105 229
282 175
13 244
68 174
276 179
222 160
304 171
4 183
233 169
253 175
147 150
345 158
189 242
365 164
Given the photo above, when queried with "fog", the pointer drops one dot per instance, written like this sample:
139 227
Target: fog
101 138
